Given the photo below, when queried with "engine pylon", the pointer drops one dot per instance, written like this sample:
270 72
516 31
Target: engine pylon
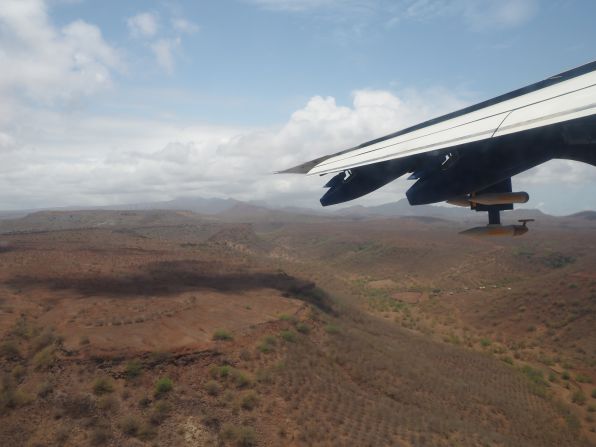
491 230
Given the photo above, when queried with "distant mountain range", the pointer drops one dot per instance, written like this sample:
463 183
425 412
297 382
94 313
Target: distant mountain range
235 210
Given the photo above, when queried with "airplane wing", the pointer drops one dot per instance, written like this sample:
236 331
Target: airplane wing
475 150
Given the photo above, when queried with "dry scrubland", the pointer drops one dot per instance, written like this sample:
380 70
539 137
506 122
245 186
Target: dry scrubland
172 329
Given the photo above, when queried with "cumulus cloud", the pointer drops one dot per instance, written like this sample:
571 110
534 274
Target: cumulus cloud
184 26
72 159
164 50
144 24
49 63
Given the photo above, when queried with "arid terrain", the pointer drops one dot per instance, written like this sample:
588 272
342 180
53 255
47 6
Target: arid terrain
260 327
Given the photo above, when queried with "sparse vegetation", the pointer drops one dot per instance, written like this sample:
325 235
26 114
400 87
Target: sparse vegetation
130 426
102 385
303 328
133 369
583 378
242 436
249 400
9 349
45 358
288 336
332 329
222 334
163 386
267 345
161 411
578 397
212 388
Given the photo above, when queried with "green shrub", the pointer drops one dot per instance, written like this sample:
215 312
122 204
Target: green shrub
160 413
133 369
241 378
130 426
43 340
243 436
100 436
109 404
45 389
45 358
286 317
212 388
9 350
578 397
249 400
288 336
163 386
102 385
222 334
582 378
332 329
485 342
267 345
302 328
18 372
565 375
594 393
220 372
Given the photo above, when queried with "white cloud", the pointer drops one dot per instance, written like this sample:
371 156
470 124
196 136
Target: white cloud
476 14
184 26
144 24
164 50
46 63
68 159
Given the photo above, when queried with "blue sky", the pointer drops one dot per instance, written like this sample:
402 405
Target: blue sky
113 102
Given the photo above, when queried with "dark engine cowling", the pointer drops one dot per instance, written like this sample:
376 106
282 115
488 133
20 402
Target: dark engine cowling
357 182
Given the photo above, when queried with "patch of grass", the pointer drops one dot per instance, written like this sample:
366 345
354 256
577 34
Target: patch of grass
108 404
249 400
222 334
220 372
557 260
242 436
241 378
212 388
44 339
302 328
18 372
332 329
9 350
582 378
133 369
45 358
163 386
10 396
160 412
288 336
485 342
130 426
565 375
539 384
267 345
286 317
100 436
578 397
102 385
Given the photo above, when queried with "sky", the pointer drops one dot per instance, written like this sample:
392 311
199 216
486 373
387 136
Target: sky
111 102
